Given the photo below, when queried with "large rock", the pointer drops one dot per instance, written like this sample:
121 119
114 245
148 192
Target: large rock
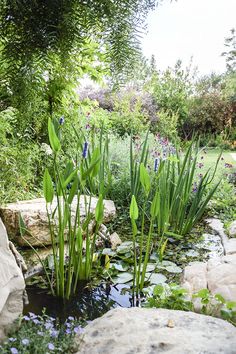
35 218
152 331
218 275
232 229
12 285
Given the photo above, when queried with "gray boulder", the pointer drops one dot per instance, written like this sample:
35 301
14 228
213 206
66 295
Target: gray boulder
152 331
12 285
34 215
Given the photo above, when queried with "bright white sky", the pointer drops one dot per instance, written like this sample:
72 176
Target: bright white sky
179 30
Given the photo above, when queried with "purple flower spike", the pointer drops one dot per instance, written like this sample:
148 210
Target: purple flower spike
62 120
85 150
156 164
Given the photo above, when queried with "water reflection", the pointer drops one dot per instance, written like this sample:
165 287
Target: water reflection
89 303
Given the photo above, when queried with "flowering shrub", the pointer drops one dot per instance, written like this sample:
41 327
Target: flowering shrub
42 334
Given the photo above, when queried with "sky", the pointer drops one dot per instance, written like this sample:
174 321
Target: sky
190 28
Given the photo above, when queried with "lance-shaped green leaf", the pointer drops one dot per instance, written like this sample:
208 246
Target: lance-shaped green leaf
155 206
96 157
69 178
73 190
48 187
86 173
145 178
133 210
53 138
99 211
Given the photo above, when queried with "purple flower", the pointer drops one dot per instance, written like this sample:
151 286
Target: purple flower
12 339
48 325
85 150
32 315
78 330
87 126
62 120
71 318
25 341
51 346
68 331
228 165
26 318
36 321
194 187
54 333
156 164
200 165
40 333
14 351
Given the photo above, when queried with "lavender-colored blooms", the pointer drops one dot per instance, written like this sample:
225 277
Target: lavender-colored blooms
68 325
71 318
85 150
14 351
51 346
40 333
36 321
68 331
11 339
25 341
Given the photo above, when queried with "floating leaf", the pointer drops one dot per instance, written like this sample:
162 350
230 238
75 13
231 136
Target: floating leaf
174 269
156 278
125 247
123 278
108 251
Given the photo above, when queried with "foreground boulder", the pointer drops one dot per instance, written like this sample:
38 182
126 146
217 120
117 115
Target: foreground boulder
12 285
152 331
34 215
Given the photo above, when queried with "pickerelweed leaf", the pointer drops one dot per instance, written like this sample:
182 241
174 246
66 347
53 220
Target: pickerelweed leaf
133 211
48 187
145 178
53 138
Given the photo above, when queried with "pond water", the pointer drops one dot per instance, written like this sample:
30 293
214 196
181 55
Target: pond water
88 303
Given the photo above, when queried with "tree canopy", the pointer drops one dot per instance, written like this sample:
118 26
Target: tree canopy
31 29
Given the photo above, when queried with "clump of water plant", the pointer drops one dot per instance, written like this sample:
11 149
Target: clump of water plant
64 188
171 204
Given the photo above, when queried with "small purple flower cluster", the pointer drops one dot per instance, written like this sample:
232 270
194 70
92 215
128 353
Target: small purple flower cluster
162 150
47 329
85 150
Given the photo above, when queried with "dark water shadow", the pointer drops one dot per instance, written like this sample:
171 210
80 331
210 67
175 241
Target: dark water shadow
88 303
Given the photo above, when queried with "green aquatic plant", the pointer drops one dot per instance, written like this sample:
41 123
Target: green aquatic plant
72 244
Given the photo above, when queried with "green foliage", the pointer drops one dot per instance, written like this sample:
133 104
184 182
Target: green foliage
30 32
176 298
42 334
